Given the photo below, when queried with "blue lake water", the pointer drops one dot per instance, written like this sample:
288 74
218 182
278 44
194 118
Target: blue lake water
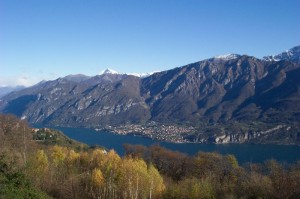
243 152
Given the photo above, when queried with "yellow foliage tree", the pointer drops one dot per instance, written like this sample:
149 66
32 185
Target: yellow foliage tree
38 168
96 184
134 181
42 164
84 161
72 160
156 184
97 178
58 166
97 157
73 156
58 155
110 166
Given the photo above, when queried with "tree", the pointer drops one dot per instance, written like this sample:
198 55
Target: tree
84 162
97 178
38 168
59 170
285 183
256 186
170 163
134 178
192 188
14 183
110 166
58 155
156 184
223 171
97 182
15 136
97 157
72 161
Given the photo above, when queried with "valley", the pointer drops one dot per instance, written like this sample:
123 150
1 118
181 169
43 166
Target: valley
225 99
149 99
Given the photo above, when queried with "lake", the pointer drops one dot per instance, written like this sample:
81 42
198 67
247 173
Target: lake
255 153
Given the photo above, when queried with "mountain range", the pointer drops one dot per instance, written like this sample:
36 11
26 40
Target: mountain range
4 90
231 94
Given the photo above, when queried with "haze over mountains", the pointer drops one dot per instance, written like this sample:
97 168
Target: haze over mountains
4 90
219 90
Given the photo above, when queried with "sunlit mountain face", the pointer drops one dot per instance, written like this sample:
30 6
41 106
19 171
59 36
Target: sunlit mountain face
223 89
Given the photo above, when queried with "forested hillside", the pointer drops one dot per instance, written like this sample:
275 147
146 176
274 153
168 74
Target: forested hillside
39 166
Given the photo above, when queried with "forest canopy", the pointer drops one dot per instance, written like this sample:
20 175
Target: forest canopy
35 166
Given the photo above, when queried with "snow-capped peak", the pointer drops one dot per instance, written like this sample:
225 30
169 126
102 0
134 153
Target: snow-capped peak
271 58
109 71
227 56
142 75
291 55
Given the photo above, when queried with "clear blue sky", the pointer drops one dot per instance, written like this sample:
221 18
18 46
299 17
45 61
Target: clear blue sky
46 39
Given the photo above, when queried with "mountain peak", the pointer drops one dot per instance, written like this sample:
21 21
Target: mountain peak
142 75
292 54
227 56
109 71
113 72
76 78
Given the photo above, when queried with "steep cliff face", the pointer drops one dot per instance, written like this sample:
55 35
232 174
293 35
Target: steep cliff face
218 90
271 135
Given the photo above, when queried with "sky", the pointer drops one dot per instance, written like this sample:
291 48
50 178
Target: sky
47 39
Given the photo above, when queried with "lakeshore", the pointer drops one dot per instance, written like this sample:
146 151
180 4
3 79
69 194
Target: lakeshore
255 153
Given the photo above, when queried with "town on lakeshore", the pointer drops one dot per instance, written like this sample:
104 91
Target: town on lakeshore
163 132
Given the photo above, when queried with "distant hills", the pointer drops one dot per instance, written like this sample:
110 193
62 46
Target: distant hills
230 89
4 90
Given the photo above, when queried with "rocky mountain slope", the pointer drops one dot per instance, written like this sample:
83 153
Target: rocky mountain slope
289 55
232 89
217 90
103 99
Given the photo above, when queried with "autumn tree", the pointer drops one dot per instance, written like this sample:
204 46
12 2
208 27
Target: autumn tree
192 188
286 182
111 168
38 169
170 163
156 184
256 185
134 178
96 184
15 137
97 157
